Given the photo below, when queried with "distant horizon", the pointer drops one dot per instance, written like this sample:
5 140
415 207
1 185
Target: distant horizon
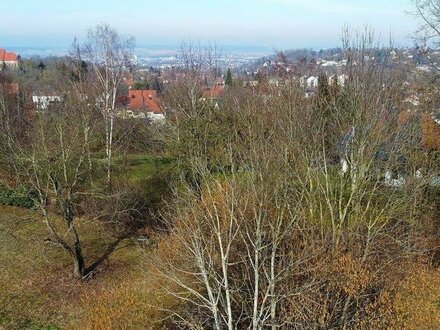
151 46
280 24
63 50
229 45
228 48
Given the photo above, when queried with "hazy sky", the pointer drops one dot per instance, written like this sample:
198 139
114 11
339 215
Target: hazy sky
272 23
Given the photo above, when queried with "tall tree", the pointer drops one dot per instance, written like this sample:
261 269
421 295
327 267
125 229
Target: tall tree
228 79
110 56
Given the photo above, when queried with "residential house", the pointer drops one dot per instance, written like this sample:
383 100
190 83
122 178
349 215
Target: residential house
43 102
397 177
429 132
128 81
275 82
413 100
342 79
145 104
8 59
250 83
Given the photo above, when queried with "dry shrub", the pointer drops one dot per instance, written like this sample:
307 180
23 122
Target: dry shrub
418 299
350 275
412 303
319 287
380 314
133 300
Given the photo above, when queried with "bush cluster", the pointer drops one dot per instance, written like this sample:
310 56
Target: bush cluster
18 196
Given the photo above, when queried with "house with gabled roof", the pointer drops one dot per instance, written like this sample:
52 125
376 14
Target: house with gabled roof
428 127
8 59
146 104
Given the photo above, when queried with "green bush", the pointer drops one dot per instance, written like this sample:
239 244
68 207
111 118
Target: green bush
19 196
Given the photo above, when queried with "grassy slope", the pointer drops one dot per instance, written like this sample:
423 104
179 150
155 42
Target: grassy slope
36 288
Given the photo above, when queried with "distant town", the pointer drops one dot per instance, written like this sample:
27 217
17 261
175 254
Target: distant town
155 69
162 56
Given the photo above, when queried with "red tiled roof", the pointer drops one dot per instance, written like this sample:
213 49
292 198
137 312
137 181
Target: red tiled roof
7 56
144 100
213 93
10 57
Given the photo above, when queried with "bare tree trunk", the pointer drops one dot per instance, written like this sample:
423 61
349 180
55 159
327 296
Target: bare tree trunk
78 263
110 151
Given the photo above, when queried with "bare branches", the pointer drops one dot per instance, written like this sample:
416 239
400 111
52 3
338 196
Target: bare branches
285 216
110 56
428 12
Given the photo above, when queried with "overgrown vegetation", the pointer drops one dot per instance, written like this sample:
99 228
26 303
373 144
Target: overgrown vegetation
285 220
268 209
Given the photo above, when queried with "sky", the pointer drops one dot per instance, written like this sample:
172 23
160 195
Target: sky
280 24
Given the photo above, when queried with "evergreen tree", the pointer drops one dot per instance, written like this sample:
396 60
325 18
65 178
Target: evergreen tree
228 79
141 85
41 66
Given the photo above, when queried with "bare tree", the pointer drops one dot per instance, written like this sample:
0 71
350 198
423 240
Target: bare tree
52 162
110 56
428 13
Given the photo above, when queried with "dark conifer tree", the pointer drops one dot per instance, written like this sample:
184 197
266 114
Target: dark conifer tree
228 79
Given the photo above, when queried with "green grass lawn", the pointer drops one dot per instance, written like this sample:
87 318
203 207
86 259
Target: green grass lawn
143 166
133 167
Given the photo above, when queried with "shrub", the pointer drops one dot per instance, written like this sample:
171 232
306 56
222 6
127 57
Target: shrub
19 196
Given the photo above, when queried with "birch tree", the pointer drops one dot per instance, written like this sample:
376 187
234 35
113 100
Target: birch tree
110 56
